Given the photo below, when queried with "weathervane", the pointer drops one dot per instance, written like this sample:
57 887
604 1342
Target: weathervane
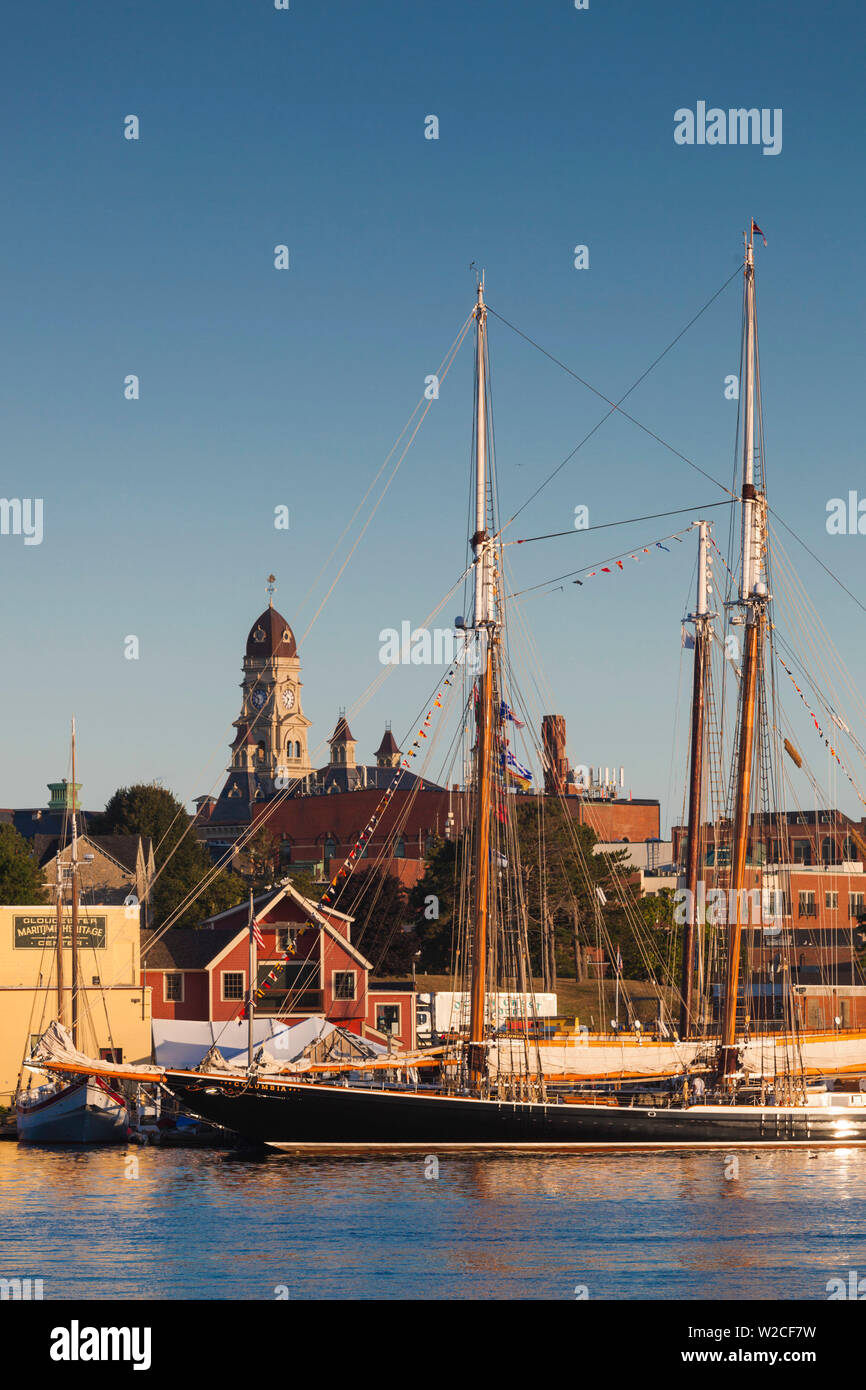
272 584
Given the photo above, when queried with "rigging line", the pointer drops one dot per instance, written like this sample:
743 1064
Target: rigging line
271 806
627 521
615 405
388 483
833 576
674 536
445 360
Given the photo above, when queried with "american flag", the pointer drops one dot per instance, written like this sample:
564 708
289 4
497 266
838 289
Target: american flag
257 935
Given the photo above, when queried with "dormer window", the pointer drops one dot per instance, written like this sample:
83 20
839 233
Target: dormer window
260 635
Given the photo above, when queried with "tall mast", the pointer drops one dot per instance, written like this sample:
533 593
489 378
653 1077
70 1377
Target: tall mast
753 601
252 986
483 624
58 902
75 980
700 617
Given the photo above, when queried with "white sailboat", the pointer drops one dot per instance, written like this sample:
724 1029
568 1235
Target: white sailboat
85 1110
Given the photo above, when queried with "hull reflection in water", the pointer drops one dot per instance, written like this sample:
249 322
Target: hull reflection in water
284 1114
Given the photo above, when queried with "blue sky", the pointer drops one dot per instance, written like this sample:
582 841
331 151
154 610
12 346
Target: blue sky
261 388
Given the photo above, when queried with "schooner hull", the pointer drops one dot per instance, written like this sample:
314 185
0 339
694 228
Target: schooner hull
286 1115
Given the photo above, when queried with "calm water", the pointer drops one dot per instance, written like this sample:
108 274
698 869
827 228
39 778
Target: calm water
197 1224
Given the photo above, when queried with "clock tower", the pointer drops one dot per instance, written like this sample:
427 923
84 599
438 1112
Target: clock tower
271 740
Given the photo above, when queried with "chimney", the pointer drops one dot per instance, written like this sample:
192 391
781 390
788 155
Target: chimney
555 761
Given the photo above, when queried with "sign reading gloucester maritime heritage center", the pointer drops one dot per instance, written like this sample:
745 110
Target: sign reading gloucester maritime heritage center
41 930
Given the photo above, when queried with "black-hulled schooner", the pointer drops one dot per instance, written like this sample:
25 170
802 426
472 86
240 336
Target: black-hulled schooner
467 1100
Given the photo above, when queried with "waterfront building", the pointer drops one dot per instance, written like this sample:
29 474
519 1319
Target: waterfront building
113 1006
202 974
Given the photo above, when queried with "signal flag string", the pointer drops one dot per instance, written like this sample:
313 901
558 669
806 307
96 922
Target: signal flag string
821 734
350 863
613 565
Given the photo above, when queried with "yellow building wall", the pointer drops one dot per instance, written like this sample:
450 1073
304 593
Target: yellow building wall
115 1012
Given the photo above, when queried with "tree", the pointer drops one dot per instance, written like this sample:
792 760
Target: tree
21 880
182 862
259 860
557 887
431 905
380 910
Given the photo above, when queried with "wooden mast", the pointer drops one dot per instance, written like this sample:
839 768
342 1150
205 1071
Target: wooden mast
75 979
251 993
58 897
753 600
483 625
693 853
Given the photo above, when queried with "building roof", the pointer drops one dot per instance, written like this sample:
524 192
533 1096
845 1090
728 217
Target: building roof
184 948
270 635
336 778
342 733
388 746
235 802
123 849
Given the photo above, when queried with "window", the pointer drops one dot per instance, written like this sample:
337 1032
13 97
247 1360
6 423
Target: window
855 904
285 936
806 904
400 848
94 979
233 984
111 1054
344 984
388 1018
831 901
802 852
174 989
330 847
260 752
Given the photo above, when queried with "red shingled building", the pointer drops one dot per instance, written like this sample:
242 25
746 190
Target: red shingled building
202 974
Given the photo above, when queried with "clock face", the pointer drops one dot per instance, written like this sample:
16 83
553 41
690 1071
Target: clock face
289 698
257 699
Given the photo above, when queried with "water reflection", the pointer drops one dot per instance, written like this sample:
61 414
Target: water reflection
196 1224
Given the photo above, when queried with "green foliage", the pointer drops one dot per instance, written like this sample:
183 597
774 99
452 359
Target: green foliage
380 909
559 872
259 861
21 879
181 860
303 881
431 905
